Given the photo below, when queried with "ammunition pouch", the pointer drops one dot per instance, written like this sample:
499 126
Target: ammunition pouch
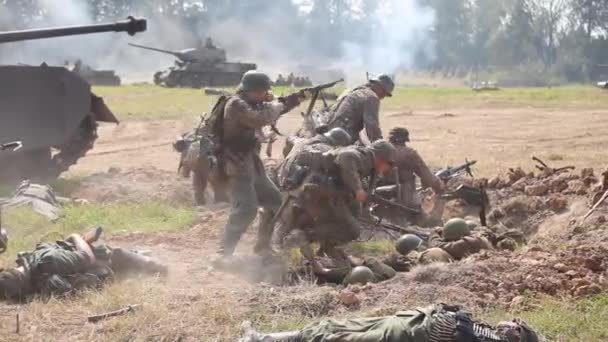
242 144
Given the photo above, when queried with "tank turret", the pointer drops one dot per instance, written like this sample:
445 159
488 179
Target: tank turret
204 66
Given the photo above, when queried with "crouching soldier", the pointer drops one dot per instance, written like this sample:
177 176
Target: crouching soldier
64 266
433 323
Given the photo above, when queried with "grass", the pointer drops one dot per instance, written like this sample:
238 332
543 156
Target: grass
150 102
559 320
27 228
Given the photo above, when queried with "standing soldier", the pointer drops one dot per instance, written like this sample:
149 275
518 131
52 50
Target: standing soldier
248 185
359 108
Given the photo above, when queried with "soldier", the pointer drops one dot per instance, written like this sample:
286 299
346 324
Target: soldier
409 165
64 266
359 108
456 239
330 206
433 323
249 187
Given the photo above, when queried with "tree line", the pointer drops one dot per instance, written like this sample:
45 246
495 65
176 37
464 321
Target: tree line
566 39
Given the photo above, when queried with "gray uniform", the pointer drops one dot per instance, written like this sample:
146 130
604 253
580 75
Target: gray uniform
357 109
248 184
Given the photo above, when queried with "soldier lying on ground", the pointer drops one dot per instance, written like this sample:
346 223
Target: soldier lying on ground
435 323
359 108
64 266
338 269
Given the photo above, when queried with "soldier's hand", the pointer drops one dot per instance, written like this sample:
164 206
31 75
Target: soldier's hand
269 97
361 196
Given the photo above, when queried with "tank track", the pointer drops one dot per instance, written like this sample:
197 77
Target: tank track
78 145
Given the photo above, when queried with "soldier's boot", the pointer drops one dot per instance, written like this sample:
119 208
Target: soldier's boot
265 230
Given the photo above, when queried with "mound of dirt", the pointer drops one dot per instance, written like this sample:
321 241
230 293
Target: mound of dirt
135 185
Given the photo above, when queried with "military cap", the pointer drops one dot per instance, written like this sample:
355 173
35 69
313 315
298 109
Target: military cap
386 82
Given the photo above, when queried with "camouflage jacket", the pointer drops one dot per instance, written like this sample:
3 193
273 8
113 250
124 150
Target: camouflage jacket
462 248
351 164
306 153
410 165
358 109
241 121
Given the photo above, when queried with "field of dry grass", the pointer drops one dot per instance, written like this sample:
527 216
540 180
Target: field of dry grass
195 303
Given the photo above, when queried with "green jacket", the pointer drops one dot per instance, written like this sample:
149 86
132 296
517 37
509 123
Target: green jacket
404 326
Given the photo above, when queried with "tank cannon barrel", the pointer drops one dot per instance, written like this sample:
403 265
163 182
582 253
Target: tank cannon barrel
177 54
131 26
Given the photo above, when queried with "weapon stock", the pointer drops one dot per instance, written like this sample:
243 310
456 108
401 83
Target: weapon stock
381 200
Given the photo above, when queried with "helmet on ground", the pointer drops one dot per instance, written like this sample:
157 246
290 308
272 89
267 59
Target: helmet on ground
507 244
386 82
359 275
455 229
338 137
3 240
384 150
255 81
399 135
407 243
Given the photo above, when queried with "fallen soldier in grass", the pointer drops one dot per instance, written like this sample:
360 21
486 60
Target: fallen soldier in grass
66 266
435 323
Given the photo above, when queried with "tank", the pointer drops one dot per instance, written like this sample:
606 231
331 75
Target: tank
96 77
205 66
51 110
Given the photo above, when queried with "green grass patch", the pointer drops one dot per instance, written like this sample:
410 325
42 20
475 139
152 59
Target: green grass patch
150 102
560 320
27 228
372 248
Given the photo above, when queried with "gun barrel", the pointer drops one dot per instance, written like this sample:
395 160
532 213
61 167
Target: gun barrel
131 26
169 52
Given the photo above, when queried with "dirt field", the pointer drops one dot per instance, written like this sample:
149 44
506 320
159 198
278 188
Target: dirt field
135 162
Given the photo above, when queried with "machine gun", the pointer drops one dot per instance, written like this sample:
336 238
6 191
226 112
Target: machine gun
316 91
451 172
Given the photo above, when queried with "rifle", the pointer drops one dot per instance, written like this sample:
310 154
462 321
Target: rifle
13 145
451 172
396 228
373 198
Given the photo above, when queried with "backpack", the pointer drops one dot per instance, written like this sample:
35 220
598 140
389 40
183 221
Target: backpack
213 124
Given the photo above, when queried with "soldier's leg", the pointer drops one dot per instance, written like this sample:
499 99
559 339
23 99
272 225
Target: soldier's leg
244 206
270 199
199 185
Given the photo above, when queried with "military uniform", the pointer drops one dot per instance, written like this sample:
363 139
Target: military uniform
58 268
461 248
248 184
410 165
433 323
357 109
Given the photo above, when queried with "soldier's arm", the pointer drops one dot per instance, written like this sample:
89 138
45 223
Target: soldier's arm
371 119
349 164
82 246
427 178
239 110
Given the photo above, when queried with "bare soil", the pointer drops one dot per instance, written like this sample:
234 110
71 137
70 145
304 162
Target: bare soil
135 162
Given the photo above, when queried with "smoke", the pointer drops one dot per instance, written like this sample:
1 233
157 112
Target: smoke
276 37
401 33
